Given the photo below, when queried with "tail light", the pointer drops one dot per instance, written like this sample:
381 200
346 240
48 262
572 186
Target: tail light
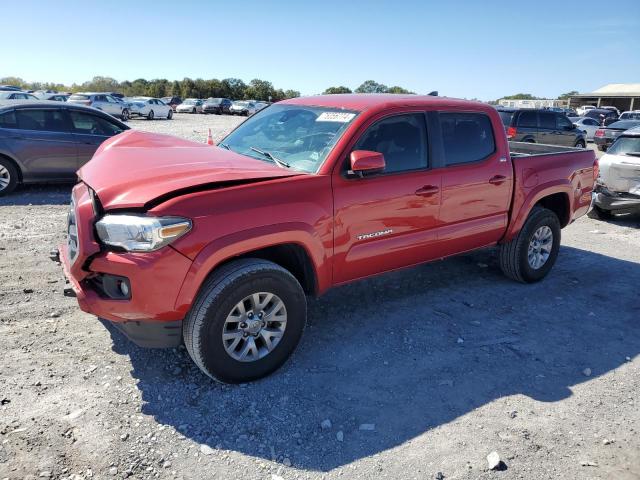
599 133
511 132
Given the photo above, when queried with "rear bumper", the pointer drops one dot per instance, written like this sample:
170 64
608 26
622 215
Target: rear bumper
616 202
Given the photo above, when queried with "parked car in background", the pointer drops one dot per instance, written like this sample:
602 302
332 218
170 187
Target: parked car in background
56 97
587 125
216 105
506 114
630 115
190 105
543 126
47 141
581 110
13 95
605 136
602 115
150 108
180 251
9 88
243 107
617 187
261 106
613 109
103 101
173 102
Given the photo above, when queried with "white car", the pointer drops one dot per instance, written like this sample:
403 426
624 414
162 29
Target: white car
9 95
242 107
587 125
190 105
150 108
581 110
617 188
630 115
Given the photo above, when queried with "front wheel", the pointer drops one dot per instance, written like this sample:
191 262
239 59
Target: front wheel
125 115
246 321
8 177
169 114
529 256
150 115
580 144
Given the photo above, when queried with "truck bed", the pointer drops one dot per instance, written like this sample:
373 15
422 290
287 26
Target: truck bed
528 149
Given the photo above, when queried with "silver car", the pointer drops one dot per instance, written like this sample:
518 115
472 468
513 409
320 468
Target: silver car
587 125
9 95
103 101
190 105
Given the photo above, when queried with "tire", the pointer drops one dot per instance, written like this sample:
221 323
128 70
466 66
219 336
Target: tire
219 298
598 213
170 114
150 115
194 111
8 176
580 144
125 115
514 255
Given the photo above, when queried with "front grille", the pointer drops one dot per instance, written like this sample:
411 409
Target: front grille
72 232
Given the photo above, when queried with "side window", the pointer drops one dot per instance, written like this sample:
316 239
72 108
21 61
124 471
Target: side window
92 124
402 140
528 119
8 120
564 123
547 120
466 137
41 120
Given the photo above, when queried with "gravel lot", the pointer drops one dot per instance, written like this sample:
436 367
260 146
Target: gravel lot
418 374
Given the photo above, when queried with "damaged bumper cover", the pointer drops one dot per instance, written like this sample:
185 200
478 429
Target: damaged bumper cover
618 202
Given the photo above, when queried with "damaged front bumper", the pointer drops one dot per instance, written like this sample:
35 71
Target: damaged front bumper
615 202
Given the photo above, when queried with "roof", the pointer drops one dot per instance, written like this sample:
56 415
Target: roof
614 90
365 101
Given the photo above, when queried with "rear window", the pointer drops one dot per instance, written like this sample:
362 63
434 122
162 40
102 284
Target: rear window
625 146
528 119
42 120
467 137
8 120
625 124
506 118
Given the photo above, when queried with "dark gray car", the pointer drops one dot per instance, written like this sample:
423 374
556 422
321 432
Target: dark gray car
543 126
47 141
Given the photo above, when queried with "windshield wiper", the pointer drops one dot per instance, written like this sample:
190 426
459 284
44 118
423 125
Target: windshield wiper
224 145
270 156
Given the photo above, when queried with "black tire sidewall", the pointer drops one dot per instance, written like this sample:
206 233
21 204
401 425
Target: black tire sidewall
214 356
13 176
541 218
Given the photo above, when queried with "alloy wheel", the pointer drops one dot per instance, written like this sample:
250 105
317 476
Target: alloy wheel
540 247
254 327
5 178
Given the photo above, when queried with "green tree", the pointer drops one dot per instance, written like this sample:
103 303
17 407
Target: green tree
291 94
397 89
101 84
234 88
175 88
259 90
336 90
521 96
564 96
187 88
371 86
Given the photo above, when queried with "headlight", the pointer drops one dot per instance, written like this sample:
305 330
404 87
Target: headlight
137 233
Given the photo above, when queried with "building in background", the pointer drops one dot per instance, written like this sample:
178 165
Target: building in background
538 103
624 96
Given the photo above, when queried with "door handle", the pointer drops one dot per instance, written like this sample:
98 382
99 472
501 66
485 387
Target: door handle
498 180
427 191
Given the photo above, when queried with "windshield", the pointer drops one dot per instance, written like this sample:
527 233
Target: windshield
214 101
301 136
625 145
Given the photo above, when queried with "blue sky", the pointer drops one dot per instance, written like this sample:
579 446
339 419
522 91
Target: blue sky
483 49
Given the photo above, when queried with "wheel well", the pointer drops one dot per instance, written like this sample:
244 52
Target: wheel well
290 256
558 203
15 164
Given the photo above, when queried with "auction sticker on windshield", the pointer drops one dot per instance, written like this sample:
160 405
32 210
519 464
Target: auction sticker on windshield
341 117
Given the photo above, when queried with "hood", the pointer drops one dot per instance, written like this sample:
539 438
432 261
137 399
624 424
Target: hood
135 168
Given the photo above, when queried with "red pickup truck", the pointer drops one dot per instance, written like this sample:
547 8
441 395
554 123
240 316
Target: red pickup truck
219 246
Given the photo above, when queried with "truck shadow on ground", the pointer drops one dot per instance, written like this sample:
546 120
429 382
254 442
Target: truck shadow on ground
405 353
58 194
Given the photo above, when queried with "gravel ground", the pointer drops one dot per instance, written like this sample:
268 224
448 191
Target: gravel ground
418 374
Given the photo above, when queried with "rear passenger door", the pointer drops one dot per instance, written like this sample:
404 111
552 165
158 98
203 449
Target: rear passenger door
566 131
89 131
527 126
548 132
43 143
476 182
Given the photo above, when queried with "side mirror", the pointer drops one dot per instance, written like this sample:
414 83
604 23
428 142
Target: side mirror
366 161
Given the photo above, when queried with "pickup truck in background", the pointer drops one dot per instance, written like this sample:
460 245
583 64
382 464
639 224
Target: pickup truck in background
217 247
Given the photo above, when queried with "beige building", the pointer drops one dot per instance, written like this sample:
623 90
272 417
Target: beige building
624 96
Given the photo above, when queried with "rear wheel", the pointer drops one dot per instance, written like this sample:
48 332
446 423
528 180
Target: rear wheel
170 114
150 115
8 176
580 144
532 253
246 321
193 111
125 115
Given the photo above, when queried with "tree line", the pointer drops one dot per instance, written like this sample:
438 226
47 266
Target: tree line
233 88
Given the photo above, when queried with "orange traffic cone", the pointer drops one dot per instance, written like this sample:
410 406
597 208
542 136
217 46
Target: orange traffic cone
209 138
